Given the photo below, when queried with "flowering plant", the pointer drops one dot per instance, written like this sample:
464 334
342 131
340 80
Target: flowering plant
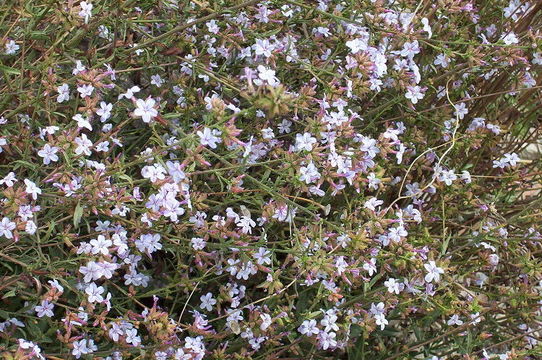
270 179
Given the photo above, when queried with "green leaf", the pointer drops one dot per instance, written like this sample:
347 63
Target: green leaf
127 178
367 286
34 330
9 294
25 163
5 263
39 35
77 215
9 70
4 314
49 231
445 244
303 302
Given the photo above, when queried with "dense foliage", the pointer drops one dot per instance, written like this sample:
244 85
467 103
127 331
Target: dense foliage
218 179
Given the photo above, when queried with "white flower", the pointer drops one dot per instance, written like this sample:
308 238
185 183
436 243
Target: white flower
83 347
304 142
145 109
55 284
48 153
370 266
32 189
475 318
148 243
103 146
85 90
266 321
104 33
454 320
45 309
427 27
510 39
263 256
284 126
9 179
154 172
394 287
3 142
263 47
63 93
410 49
209 137
175 170
268 75
465 176
106 269
442 60
11 48
30 227
308 327
104 111
212 26
309 173
377 309
92 271
324 31
79 67
381 320
433 271
157 80
480 279
82 122
246 224
6 226
414 93
357 45
494 259
499 163
132 337
447 176
100 245
94 293
372 203
329 321
207 302
83 145
396 233
369 145
327 340
461 110
511 158
86 10
130 92
198 243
